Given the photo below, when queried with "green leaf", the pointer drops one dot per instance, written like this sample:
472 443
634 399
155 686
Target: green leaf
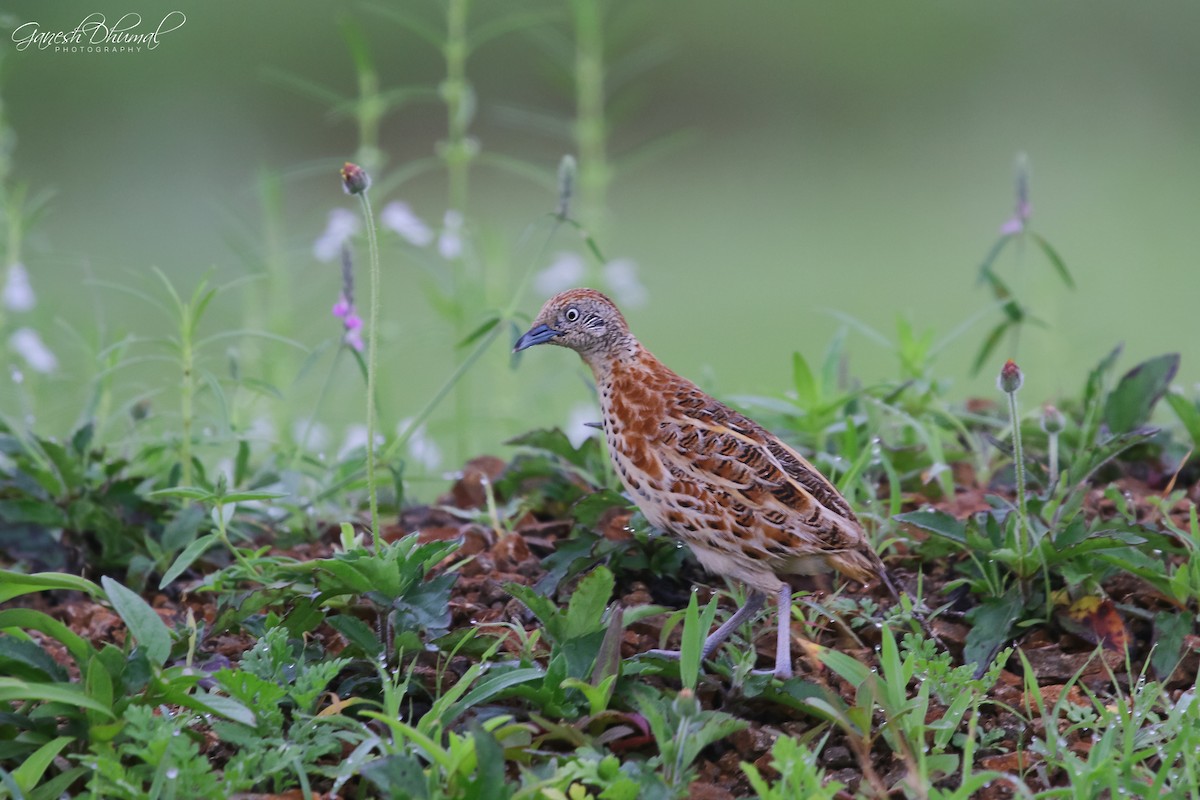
807 391
12 689
32 511
1055 260
182 529
989 344
15 584
488 688
1188 414
1131 402
1171 629
143 621
27 618
190 492
187 557
849 669
692 641
29 774
247 496
585 611
479 332
935 522
991 624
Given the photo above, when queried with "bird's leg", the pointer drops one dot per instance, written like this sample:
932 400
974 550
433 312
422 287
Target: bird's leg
783 641
753 603
783 637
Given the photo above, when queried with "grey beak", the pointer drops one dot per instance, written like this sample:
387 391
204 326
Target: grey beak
539 335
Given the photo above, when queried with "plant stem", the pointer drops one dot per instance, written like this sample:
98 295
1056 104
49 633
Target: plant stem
223 535
186 391
1019 467
456 94
590 128
372 367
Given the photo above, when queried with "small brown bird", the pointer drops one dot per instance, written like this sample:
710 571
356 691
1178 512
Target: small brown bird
749 506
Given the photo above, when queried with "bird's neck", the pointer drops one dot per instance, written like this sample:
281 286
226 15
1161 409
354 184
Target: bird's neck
626 354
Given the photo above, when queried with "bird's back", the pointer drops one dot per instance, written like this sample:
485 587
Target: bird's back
748 505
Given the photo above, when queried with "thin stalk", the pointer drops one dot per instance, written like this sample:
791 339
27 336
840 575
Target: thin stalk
456 94
372 367
187 392
591 131
223 535
1019 467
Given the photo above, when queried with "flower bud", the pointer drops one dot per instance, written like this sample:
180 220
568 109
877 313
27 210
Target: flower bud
355 179
1010 379
1053 420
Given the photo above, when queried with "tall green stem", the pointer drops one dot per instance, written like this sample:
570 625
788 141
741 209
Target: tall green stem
1019 467
591 131
456 93
187 362
372 366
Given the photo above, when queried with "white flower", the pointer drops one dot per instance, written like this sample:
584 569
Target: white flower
577 429
621 277
342 224
566 270
421 448
310 435
356 438
450 243
28 345
18 294
400 218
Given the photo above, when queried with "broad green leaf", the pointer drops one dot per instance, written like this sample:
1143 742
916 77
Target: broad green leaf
143 621
19 691
1131 402
30 773
585 611
936 522
29 619
15 584
488 688
991 623
32 511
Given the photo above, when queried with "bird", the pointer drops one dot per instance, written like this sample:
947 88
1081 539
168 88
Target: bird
748 505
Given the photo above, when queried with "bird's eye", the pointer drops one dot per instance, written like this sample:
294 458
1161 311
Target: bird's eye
572 314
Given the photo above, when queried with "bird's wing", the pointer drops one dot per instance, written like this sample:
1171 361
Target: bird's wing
707 441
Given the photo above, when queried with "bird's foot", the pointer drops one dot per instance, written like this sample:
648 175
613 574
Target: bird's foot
672 655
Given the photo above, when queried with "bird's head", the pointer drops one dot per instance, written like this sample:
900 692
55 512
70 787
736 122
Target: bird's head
583 320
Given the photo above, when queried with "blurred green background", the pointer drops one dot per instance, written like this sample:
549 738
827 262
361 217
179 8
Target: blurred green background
773 163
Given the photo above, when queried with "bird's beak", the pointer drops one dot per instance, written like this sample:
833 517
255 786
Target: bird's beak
539 334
